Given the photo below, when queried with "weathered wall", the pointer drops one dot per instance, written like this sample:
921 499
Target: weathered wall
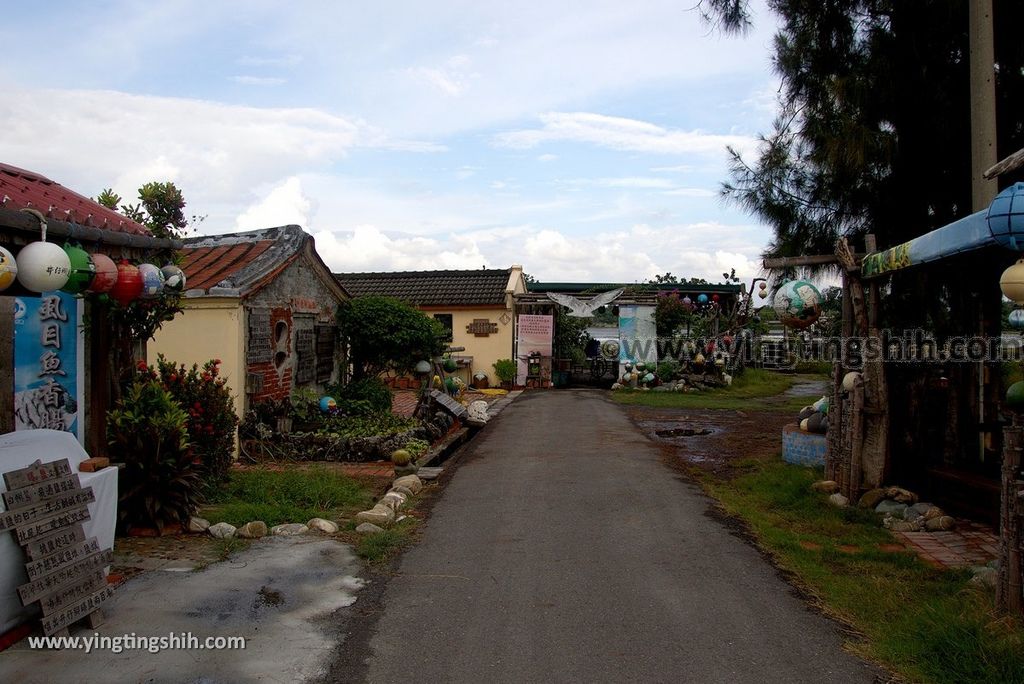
484 350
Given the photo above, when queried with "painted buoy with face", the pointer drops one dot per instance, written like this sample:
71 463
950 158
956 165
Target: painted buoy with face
8 269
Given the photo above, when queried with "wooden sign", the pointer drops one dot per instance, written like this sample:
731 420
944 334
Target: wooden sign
33 591
57 621
482 327
46 509
37 473
448 404
48 564
44 527
33 494
74 592
52 543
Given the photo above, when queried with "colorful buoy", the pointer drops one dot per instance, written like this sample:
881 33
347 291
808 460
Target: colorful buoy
8 269
128 285
152 281
83 270
43 267
105 276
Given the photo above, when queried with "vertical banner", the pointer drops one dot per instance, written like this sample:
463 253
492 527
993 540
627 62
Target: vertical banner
535 333
47 358
638 334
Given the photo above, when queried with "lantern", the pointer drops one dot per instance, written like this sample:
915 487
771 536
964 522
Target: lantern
1005 217
43 267
174 279
1016 319
128 285
83 270
152 281
105 276
8 269
1011 282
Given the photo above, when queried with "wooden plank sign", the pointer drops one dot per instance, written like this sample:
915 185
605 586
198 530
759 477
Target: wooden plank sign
36 474
48 564
74 612
33 591
33 494
44 527
52 543
46 509
74 592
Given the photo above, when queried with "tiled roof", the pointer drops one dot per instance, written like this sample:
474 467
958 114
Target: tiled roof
432 288
21 189
237 263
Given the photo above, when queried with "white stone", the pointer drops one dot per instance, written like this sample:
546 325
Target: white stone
252 530
403 490
368 528
410 482
393 500
378 515
288 529
322 525
222 530
198 524
838 500
478 410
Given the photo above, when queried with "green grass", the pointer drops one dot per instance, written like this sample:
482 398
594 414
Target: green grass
753 383
284 496
926 624
382 546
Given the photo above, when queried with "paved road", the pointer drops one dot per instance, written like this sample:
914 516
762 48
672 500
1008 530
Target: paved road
563 550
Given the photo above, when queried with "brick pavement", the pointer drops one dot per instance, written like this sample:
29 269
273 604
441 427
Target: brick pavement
969 544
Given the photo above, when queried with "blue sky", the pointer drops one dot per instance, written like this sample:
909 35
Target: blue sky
585 141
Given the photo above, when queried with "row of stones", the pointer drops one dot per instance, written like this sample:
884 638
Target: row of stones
257 528
902 511
385 511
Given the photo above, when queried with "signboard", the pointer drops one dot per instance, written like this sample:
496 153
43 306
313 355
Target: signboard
638 334
448 404
48 358
46 509
33 591
534 336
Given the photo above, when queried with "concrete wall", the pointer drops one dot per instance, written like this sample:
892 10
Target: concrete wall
484 350
209 328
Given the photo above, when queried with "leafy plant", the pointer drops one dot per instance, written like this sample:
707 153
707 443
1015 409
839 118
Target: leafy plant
304 405
417 447
364 397
505 369
148 432
373 425
382 333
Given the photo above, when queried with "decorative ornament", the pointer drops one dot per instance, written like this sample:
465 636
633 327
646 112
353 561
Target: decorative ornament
702 299
640 365
451 385
1011 282
83 270
797 303
152 281
8 269
1005 217
1016 319
1015 396
649 377
106 274
174 279
450 365
688 303
715 298
699 359
849 380
423 367
43 267
328 405
727 341
128 285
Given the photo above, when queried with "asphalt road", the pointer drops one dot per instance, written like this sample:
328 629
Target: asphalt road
564 550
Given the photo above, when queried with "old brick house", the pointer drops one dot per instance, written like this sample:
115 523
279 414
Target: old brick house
264 303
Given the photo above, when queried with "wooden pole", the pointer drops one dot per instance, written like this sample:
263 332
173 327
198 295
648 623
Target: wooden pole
983 103
1008 590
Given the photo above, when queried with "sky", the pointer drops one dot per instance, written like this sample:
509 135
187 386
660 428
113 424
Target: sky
585 141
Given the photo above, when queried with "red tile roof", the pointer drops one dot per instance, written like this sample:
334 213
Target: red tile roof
206 266
240 263
20 189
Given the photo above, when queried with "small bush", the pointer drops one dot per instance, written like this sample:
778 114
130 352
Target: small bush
364 397
505 369
667 370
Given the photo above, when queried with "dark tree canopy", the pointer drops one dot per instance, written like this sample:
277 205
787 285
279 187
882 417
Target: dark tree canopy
383 333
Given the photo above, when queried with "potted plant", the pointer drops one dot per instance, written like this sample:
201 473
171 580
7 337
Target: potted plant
506 370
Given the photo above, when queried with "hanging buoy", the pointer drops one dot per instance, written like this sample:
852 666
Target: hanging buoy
174 279
43 267
128 285
8 269
105 276
83 270
152 281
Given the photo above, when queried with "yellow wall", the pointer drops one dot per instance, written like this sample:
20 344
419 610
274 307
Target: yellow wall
209 328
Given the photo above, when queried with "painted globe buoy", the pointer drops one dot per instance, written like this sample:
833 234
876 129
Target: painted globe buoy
83 270
43 267
128 285
849 380
423 367
688 303
710 348
1005 217
1016 319
628 366
152 281
715 298
699 359
8 269
328 404
649 377
797 303
1015 396
804 424
451 385
727 341
1011 282
702 299
174 279
105 276
450 365
401 457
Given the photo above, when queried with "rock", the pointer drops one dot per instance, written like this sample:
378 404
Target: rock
825 486
401 489
392 500
378 515
368 528
428 473
406 470
322 525
839 500
897 525
410 482
940 524
288 530
478 410
252 530
871 498
891 507
198 524
900 495
911 514
986 577
933 512
222 530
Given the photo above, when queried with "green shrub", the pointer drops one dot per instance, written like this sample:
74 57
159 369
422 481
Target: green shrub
505 369
667 370
148 432
364 397
383 333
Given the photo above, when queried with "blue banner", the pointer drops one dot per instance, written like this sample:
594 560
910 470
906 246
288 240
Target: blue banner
46 362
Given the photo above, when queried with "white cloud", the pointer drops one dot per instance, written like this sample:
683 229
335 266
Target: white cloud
691 192
547 157
619 133
259 80
282 61
285 204
679 168
367 248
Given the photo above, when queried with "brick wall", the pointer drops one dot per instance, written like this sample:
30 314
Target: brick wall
277 373
802 448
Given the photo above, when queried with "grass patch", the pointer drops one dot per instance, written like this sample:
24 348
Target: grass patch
285 496
753 383
380 547
927 624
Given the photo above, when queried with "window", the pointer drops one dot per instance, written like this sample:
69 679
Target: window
446 321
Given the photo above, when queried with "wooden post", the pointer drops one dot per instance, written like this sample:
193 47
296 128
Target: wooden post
1008 590
6 364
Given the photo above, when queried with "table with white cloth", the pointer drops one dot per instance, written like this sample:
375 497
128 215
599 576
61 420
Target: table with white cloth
20 450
